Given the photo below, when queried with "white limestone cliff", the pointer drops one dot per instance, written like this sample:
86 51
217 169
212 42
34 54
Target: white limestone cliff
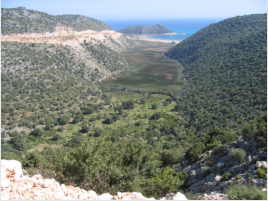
15 186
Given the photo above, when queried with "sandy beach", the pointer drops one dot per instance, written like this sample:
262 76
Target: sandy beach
146 38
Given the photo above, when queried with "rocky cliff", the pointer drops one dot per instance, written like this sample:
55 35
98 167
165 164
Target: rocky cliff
216 171
16 186
68 36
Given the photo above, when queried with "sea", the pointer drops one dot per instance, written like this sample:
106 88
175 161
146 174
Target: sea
183 27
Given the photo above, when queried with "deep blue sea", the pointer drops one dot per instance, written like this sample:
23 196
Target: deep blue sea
183 26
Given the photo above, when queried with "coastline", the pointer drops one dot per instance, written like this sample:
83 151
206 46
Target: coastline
146 38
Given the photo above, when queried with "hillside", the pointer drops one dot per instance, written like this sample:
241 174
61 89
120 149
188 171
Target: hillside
146 30
22 20
226 70
81 23
137 135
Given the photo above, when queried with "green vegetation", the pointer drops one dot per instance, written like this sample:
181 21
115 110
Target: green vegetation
261 172
225 65
237 155
57 118
152 71
145 30
256 130
226 176
243 192
21 20
81 23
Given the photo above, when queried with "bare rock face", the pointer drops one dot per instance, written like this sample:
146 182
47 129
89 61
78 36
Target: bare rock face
16 187
260 164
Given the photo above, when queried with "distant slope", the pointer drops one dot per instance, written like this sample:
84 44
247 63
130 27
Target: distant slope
226 68
140 30
22 20
81 23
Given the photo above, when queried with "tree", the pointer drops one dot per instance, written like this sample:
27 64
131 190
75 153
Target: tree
36 132
17 143
179 106
154 105
85 128
56 137
143 100
78 118
109 120
171 156
75 141
156 115
128 104
63 119
32 159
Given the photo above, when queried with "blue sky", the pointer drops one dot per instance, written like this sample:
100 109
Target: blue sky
144 9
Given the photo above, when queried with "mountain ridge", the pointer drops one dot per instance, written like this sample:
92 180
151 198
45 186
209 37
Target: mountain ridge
22 20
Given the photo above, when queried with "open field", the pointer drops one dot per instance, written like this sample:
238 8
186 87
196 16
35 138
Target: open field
153 72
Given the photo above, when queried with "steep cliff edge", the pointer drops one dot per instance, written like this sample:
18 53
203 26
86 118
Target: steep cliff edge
16 186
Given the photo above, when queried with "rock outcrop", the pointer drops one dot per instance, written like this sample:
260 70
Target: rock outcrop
68 36
16 186
244 172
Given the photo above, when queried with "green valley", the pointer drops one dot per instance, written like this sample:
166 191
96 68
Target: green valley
106 113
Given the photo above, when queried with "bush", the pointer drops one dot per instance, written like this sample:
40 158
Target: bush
156 115
205 171
154 105
193 153
248 175
171 156
183 175
108 121
56 137
32 159
261 173
60 129
63 119
237 154
238 177
243 192
218 150
226 177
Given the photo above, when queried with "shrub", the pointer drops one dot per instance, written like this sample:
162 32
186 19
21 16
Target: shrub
32 159
156 115
183 175
226 177
243 192
238 177
171 156
60 129
154 105
237 155
261 173
108 121
218 150
193 153
63 119
248 175
56 137
205 171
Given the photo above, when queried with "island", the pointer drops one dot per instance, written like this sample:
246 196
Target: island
146 30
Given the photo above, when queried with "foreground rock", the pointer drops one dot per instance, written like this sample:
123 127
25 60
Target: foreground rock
208 176
15 186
